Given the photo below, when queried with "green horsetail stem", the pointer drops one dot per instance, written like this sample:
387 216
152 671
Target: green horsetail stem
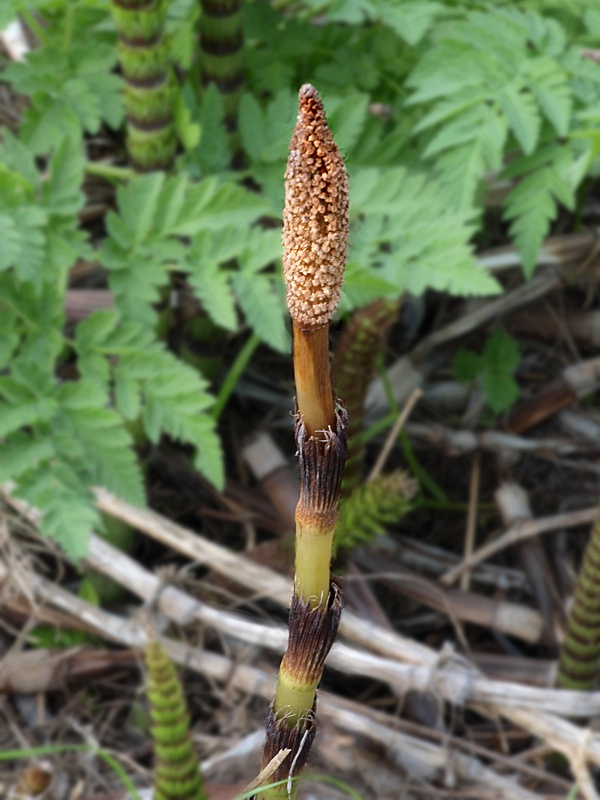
149 89
315 238
580 652
221 55
176 772
360 345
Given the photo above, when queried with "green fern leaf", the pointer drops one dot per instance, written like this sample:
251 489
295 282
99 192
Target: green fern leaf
262 308
266 133
68 513
23 452
410 20
145 243
522 113
404 205
488 73
23 241
211 281
532 204
549 83
88 433
175 401
347 118
71 92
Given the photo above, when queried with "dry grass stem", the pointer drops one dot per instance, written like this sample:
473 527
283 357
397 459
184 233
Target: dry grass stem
471 527
390 441
518 533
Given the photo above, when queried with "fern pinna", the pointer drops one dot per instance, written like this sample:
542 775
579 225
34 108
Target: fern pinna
221 54
149 88
580 653
176 773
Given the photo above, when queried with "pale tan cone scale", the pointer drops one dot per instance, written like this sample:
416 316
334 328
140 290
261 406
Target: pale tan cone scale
315 217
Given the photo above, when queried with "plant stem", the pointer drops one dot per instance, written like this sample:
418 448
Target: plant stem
580 652
149 88
234 374
361 343
315 233
176 773
221 57
313 380
108 171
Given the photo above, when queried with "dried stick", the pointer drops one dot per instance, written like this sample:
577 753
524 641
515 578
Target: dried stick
460 442
513 503
578 745
575 383
417 757
518 533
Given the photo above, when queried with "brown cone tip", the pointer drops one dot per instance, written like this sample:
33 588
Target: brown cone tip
315 217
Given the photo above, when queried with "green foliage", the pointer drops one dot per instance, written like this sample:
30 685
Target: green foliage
493 370
501 80
176 773
371 508
426 101
72 89
38 225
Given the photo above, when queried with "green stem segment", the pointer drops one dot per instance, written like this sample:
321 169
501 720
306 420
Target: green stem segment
149 87
176 772
221 56
580 654
316 604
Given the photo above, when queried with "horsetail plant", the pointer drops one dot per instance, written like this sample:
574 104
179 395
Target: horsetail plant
176 772
360 346
221 56
149 93
580 652
315 237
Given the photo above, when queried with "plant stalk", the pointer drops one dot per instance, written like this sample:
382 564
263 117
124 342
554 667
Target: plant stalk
315 231
149 87
580 653
221 58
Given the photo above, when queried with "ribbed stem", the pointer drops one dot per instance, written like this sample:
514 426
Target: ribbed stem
149 88
176 772
313 378
580 653
315 235
221 56
360 344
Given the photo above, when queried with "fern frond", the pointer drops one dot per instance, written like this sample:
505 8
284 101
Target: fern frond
502 66
371 507
176 773
360 344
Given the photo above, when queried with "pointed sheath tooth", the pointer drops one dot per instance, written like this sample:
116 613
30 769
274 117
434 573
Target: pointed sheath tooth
315 217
